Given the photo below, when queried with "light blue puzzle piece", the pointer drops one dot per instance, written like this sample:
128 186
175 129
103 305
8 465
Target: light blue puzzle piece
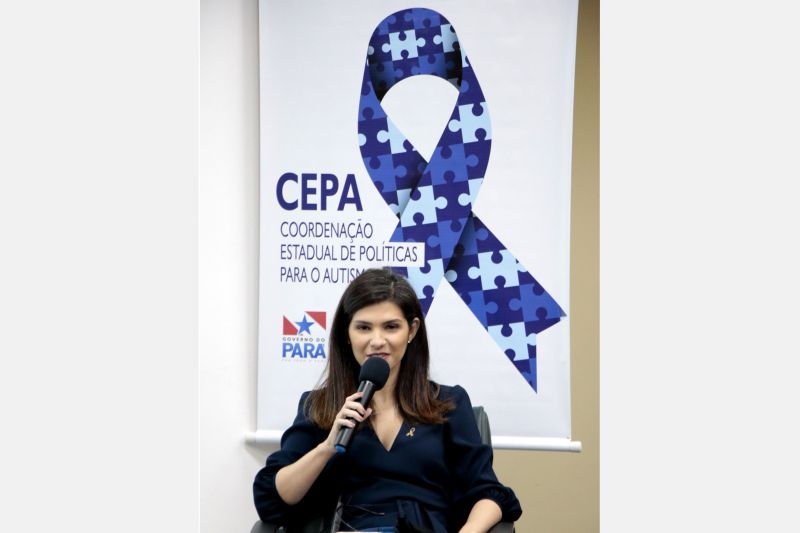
394 136
488 270
403 196
447 39
426 204
513 338
409 43
474 186
469 123
425 283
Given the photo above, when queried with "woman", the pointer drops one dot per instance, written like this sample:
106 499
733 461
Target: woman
416 462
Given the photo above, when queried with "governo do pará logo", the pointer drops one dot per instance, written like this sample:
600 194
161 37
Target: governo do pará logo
304 336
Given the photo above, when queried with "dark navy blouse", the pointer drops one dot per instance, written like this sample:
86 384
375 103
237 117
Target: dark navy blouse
438 471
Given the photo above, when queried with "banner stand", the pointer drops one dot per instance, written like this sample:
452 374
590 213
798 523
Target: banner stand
499 442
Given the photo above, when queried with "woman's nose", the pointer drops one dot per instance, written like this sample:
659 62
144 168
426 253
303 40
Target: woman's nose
377 339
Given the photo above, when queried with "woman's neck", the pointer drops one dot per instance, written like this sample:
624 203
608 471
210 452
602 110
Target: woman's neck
384 400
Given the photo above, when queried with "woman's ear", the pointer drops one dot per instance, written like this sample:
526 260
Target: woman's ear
412 331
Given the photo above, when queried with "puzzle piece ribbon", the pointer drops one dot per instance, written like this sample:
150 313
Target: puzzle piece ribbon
433 199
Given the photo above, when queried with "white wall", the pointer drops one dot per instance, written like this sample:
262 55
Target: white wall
228 256
98 266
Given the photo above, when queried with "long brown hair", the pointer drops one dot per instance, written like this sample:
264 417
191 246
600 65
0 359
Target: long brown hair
416 396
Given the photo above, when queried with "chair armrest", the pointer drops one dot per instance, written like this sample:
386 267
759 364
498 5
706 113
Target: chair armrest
312 525
261 527
503 527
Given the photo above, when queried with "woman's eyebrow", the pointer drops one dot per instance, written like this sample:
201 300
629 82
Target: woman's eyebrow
385 322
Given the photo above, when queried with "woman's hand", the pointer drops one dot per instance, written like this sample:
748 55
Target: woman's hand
483 516
347 416
293 481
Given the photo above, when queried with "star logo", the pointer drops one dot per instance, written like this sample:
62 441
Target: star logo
309 320
304 325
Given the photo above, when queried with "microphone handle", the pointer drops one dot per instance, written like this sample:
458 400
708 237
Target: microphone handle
345 433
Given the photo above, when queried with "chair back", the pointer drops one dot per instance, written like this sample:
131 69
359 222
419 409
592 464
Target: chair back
482 420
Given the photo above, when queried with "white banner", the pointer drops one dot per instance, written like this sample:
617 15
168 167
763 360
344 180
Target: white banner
342 191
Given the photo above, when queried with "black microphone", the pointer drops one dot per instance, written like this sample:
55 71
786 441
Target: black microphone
373 376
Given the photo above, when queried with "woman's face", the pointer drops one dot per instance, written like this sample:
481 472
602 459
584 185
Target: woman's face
381 330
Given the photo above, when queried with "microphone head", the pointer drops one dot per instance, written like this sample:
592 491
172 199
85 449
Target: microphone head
376 370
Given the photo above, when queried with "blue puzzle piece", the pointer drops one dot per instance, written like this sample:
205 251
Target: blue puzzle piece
453 209
458 272
407 191
502 297
477 157
382 76
470 236
537 306
425 180
448 164
473 122
455 68
431 64
485 240
430 47
372 145
548 311
387 25
537 326
375 53
449 231
478 306
419 233
425 18
527 369
406 68
414 164
383 172
369 108
402 20
469 90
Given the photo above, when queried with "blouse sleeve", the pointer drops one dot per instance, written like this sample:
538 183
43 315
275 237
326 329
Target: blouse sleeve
296 441
471 463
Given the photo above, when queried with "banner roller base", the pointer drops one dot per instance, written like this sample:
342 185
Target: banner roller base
498 442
